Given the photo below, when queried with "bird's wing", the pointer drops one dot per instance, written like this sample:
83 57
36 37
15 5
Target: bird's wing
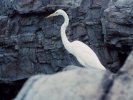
81 46
82 50
85 55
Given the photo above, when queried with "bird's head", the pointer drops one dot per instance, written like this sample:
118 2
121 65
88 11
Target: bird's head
56 13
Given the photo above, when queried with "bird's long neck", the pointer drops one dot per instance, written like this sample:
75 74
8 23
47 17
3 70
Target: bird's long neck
65 41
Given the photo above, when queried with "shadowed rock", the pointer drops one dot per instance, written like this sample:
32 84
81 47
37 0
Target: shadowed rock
119 25
122 88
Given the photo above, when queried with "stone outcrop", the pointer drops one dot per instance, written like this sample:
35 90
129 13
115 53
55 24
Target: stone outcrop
123 83
76 84
119 26
30 44
81 84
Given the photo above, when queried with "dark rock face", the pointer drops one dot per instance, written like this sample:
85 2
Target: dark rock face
93 10
28 43
25 31
31 44
6 7
119 25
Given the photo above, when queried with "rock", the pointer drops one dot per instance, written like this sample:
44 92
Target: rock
3 24
76 84
119 25
27 43
92 11
6 8
31 44
122 87
40 6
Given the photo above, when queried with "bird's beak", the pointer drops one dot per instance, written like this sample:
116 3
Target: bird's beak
51 15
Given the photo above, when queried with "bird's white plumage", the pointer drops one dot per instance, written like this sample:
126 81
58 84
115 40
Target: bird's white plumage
84 54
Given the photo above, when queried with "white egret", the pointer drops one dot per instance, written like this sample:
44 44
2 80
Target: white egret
84 54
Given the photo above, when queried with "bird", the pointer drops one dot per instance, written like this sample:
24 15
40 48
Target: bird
84 54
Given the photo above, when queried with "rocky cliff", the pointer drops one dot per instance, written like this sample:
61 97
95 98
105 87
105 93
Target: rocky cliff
31 44
81 84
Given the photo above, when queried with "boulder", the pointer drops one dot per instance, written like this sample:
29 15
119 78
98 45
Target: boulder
75 84
122 87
